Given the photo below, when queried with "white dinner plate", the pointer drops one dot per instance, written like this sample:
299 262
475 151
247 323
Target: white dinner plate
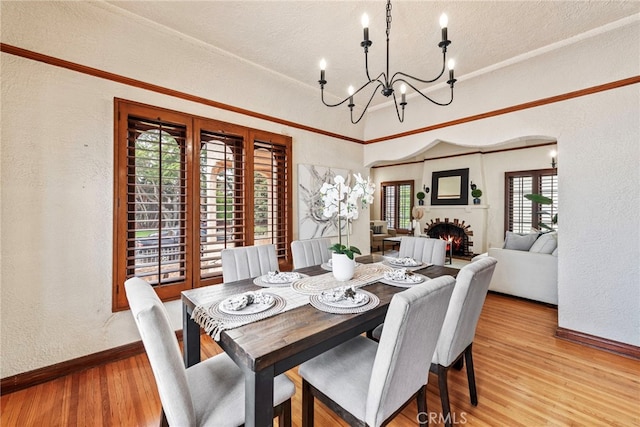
250 309
394 262
347 302
408 282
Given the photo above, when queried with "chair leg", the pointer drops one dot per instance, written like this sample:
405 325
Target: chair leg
163 419
458 364
471 377
444 395
284 417
307 404
421 399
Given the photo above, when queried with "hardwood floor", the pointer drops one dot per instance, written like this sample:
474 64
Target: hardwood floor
525 377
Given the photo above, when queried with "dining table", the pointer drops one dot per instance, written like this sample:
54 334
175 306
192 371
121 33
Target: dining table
269 347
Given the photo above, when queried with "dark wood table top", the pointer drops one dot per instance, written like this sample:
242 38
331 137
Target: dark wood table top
285 340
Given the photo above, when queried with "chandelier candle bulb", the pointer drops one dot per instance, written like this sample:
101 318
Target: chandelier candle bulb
451 65
351 90
323 66
444 21
403 91
365 26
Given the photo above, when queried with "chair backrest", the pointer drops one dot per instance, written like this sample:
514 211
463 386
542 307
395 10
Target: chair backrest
409 337
248 261
464 310
162 348
423 249
310 252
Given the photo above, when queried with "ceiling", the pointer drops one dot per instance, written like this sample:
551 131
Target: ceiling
290 37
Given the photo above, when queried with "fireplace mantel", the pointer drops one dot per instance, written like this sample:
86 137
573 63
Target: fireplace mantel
465 208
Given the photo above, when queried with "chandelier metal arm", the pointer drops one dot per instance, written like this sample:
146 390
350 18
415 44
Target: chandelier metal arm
373 93
400 73
331 105
402 104
442 104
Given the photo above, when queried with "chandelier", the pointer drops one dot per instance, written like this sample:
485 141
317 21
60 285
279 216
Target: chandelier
386 84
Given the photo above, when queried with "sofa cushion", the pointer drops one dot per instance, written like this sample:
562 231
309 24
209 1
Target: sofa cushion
519 242
545 244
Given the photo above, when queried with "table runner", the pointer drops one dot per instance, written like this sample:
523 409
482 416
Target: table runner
213 322
364 274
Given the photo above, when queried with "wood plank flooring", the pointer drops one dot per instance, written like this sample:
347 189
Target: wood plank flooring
525 377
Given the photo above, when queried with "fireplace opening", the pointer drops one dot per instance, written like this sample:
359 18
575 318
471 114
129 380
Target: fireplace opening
455 233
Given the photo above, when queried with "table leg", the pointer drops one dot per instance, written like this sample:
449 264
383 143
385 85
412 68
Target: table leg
191 338
258 399
382 246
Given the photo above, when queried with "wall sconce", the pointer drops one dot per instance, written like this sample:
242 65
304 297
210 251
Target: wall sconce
426 189
553 155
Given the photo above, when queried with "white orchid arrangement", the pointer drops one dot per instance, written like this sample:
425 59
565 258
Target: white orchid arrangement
342 200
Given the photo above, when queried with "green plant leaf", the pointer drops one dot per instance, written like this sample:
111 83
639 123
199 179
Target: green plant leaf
538 198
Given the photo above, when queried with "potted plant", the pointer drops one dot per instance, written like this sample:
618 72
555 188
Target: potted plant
420 195
342 201
476 193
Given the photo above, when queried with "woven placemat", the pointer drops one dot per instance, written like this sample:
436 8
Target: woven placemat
320 305
364 274
214 321
259 281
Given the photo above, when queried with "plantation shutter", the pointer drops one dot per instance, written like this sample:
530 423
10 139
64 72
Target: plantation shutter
522 215
156 198
389 205
397 202
222 193
271 192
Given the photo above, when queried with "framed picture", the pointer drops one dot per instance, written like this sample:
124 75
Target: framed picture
311 221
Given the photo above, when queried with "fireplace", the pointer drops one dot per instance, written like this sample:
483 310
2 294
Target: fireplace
456 233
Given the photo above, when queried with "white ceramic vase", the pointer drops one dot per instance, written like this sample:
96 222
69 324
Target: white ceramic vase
342 267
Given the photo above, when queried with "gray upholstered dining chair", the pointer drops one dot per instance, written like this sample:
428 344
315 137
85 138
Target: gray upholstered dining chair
459 327
209 393
367 383
423 249
310 252
245 262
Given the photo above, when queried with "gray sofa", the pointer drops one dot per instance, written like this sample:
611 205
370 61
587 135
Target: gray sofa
530 273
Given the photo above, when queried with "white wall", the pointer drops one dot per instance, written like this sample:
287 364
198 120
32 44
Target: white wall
599 167
57 165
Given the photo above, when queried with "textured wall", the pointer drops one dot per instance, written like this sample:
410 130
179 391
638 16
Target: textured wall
57 166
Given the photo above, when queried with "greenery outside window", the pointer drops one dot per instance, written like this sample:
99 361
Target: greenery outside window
397 202
186 188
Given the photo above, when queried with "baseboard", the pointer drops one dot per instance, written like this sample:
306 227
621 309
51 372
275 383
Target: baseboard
600 343
547 304
48 373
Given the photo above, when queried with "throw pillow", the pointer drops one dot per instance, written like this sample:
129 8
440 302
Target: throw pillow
377 229
545 244
519 242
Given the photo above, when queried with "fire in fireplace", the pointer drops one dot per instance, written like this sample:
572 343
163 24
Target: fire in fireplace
456 233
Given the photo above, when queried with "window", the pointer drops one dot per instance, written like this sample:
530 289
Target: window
521 215
397 202
185 189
